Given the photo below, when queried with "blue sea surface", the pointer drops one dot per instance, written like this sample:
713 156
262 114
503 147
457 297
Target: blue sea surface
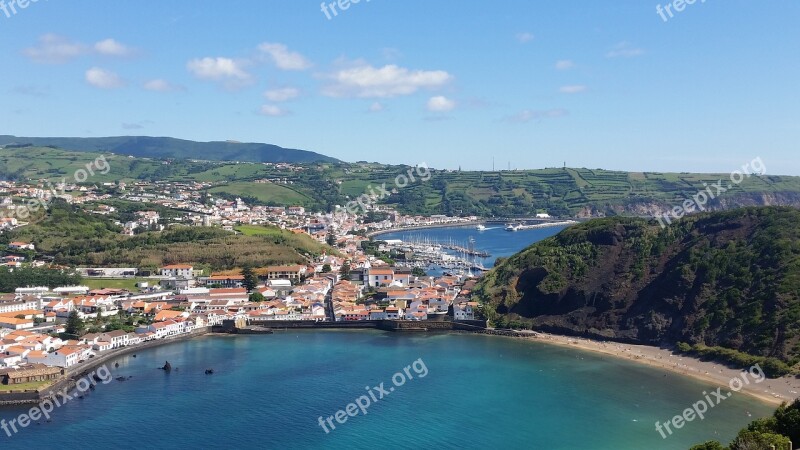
479 392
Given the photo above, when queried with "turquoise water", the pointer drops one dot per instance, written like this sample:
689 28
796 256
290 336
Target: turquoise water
479 392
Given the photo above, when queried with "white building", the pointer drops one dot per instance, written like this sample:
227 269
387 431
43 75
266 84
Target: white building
177 270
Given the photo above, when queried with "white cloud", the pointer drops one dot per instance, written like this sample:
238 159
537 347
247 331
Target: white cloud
573 89
377 107
159 85
273 111
230 72
110 47
54 49
366 81
440 104
624 50
283 58
564 64
530 115
103 79
525 37
281 94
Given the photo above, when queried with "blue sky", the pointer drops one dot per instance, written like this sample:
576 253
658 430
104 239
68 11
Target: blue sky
450 83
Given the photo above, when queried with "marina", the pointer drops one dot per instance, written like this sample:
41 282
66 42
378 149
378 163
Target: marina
466 250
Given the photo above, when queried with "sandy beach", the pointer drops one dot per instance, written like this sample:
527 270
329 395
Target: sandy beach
770 390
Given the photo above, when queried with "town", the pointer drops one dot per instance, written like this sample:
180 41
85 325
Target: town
47 332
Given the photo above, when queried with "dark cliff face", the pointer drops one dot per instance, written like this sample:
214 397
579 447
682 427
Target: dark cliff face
730 279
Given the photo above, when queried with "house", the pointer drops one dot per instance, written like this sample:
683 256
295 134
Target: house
64 357
21 246
293 273
30 374
380 277
226 281
402 276
102 346
355 315
167 314
393 313
162 329
117 338
464 311
177 270
16 324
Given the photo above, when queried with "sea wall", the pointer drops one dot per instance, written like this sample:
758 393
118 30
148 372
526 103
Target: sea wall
73 374
386 325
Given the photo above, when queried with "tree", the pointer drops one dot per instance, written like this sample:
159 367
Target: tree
787 421
753 440
75 324
257 297
326 268
331 240
710 445
250 279
418 272
344 271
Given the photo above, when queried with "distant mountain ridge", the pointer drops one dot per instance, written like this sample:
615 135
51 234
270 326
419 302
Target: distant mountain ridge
166 147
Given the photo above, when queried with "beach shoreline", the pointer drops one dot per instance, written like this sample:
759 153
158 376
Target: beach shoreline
773 391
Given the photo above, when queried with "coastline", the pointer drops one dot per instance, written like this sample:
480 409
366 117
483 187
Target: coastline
423 227
453 225
773 391
73 374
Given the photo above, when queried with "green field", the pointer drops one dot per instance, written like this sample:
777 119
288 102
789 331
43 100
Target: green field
115 283
266 193
25 386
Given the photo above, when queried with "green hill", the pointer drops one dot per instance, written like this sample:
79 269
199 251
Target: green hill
319 186
728 279
165 147
73 237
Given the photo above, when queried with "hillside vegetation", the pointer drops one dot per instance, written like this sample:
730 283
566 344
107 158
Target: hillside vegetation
729 280
76 238
165 147
322 185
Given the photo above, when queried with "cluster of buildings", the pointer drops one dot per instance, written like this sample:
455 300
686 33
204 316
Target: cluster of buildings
351 285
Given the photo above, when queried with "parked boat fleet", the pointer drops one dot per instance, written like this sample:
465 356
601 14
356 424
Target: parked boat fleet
450 256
